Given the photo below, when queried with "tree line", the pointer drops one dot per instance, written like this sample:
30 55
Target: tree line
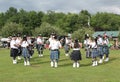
33 23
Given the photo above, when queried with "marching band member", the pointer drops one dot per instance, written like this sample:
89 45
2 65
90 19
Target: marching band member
18 40
94 52
25 52
54 51
40 45
100 48
30 47
105 47
67 46
87 45
13 49
76 54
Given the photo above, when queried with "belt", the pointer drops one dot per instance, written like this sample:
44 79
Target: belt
14 48
24 47
94 48
100 45
55 50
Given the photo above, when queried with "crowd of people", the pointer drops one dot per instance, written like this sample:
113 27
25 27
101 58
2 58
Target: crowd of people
97 47
94 47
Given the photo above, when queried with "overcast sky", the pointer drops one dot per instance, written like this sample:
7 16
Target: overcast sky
74 6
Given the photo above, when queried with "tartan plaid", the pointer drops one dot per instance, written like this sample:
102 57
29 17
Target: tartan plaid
100 50
105 49
94 53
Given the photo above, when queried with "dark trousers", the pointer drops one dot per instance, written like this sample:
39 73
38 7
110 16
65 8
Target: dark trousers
14 53
40 48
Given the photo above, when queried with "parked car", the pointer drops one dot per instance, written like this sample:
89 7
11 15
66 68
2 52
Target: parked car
4 42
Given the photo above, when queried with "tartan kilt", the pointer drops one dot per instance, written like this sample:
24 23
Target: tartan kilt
19 51
100 50
94 52
88 52
40 47
106 49
54 55
13 52
67 47
25 52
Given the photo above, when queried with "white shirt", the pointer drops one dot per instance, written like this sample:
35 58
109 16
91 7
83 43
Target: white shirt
50 39
12 44
87 42
67 41
54 45
93 45
18 41
100 41
39 41
24 44
76 48
29 41
106 41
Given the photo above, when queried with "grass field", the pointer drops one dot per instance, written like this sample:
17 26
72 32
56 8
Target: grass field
40 70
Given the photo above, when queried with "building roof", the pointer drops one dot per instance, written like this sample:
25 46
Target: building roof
108 33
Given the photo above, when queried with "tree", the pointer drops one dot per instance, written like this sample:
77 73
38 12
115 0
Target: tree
105 21
50 17
2 20
69 22
11 12
59 22
79 34
84 18
23 17
35 19
11 28
11 15
119 34
46 29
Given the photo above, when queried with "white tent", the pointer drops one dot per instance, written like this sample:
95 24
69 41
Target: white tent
4 39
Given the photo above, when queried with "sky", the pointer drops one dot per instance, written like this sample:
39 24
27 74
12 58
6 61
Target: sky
73 6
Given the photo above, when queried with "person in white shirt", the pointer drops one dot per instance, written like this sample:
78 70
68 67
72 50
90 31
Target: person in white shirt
40 45
18 40
105 47
25 53
100 48
76 54
13 49
50 39
87 46
30 47
94 52
54 51
67 45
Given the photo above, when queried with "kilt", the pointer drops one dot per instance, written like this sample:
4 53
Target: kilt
30 50
13 52
94 52
100 50
54 55
76 55
25 52
40 47
67 48
19 51
88 52
105 49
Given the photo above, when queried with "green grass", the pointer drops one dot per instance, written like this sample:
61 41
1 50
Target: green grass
40 70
